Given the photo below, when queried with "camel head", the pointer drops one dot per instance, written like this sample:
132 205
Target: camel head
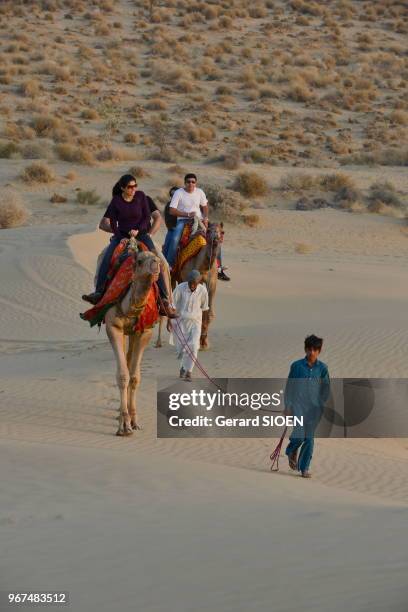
214 234
146 264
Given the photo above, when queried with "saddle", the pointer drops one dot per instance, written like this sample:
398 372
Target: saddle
191 242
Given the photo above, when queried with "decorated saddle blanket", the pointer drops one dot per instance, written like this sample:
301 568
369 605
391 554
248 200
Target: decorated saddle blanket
119 279
188 247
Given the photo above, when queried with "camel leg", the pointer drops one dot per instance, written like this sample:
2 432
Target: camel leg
117 340
204 345
158 343
137 345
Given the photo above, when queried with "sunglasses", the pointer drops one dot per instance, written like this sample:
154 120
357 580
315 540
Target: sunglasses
133 186
194 182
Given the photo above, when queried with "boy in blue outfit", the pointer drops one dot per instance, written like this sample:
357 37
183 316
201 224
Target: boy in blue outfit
307 390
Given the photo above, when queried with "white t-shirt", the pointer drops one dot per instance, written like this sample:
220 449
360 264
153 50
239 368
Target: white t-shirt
190 304
189 202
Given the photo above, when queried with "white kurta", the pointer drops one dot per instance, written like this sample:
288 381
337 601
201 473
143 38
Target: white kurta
190 306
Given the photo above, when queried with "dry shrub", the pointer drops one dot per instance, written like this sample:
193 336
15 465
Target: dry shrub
44 125
303 249
384 193
251 220
224 203
231 160
89 114
37 173
139 172
335 182
156 104
12 210
34 150
384 157
8 150
74 154
300 93
399 117
131 138
56 198
196 133
176 169
114 154
297 182
167 72
88 198
250 184
30 89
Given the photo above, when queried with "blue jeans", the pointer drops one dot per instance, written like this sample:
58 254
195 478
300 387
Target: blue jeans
104 267
302 438
172 239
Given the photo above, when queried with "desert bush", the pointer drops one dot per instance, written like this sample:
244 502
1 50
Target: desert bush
74 154
303 249
224 203
384 192
251 220
250 184
30 89
90 114
138 172
56 198
383 157
34 150
12 210
297 182
231 159
131 138
156 104
8 149
37 173
335 182
44 125
88 198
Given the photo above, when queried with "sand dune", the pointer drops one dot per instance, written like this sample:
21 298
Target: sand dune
81 484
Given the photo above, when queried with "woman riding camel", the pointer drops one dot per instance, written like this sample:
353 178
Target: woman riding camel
129 215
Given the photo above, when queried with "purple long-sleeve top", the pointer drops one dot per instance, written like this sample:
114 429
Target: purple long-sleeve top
125 216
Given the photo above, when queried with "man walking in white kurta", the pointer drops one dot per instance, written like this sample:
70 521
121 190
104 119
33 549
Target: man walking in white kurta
190 299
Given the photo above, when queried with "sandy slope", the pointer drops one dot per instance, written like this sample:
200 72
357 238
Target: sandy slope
201 524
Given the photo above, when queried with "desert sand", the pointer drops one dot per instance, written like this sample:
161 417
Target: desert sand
201 524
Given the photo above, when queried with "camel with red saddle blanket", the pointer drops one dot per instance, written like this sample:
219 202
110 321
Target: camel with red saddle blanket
129 308
198 250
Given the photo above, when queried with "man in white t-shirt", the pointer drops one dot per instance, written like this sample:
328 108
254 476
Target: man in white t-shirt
187 202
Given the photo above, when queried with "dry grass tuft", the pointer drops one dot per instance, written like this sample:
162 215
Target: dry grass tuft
74 154
37 173
303 249
224 203
88 198
297 183
12 210
252 220
250 184
139 172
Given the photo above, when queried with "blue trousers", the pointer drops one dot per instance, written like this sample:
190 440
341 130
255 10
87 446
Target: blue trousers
104 267
172 239
302 438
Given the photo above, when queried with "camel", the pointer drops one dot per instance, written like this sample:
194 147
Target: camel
120 320
205 262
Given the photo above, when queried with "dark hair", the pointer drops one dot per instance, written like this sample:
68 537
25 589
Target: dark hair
172 190
190 175
313 341
121 184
